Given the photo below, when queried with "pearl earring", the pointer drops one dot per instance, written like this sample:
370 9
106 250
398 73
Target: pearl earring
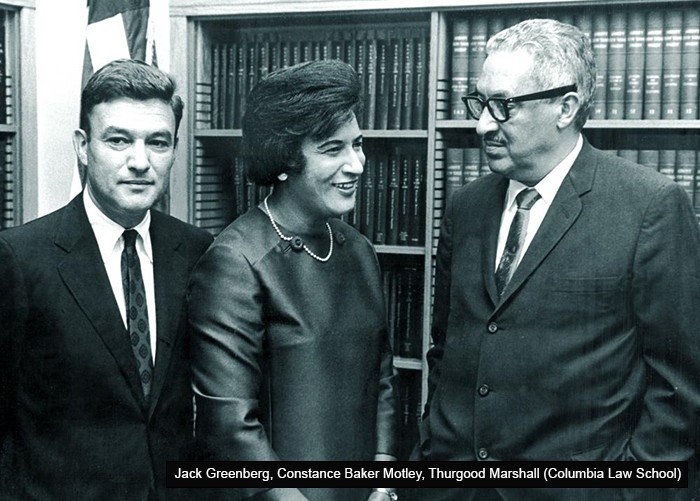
283 176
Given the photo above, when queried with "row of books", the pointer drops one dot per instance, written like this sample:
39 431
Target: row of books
390 207
7 189
403 294
463 165
648 60
392 64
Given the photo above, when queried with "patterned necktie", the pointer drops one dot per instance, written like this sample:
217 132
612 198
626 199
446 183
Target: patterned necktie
136 310
516 236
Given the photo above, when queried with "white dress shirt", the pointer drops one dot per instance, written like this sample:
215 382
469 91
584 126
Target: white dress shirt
547 188
111 244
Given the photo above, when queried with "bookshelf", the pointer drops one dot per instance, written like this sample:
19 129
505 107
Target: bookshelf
17 112
207 185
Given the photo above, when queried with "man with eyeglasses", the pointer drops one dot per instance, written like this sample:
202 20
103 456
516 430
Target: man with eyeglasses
567 292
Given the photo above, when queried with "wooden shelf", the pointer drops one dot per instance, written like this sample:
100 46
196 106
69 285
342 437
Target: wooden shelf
373 134
597 124
399 249
408 363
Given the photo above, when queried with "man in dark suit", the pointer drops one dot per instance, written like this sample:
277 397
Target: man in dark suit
566 322
95 390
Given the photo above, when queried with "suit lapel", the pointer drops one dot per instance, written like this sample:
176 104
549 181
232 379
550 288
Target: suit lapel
86 279
170 275
561 215
492 210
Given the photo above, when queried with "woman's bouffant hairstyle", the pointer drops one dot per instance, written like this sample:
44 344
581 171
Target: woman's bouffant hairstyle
308 100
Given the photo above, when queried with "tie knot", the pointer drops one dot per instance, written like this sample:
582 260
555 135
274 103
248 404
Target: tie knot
130 239
527 198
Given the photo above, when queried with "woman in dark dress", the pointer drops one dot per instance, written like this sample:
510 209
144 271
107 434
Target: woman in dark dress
291 352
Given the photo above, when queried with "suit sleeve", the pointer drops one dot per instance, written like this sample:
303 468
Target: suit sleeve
666 284
387 401
441 301
13 312
226 321
225 316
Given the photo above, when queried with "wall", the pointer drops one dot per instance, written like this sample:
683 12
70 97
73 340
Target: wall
60 45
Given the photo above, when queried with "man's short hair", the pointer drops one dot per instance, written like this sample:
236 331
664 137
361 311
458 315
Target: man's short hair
132 79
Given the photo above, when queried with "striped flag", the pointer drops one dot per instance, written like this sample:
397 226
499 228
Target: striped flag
117 29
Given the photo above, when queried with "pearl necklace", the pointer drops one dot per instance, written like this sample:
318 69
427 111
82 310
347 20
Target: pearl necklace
303 245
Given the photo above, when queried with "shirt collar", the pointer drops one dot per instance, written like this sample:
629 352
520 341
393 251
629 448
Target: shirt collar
108 233
549 184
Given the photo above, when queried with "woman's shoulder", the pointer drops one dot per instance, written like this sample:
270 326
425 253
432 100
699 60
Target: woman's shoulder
343 232
250 235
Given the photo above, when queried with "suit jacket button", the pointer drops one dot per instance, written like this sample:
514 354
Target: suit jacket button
483 453
484 390
492 327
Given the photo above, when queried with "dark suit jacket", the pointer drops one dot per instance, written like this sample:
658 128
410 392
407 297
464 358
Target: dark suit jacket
593 352
73 420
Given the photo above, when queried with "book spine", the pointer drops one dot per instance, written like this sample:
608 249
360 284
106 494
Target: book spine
477 50
251 67
368 195
685 172
495 24
239 184
460 68
224 92
230 93
417 203
264 53
420 85
404 215
667 163
584 22
361 62
617 49
671 91
629 154
407 322
601 39
653 65
337 46
241 81
380 182
649 158
453 171
370 93
634 98
396 80
215 83
471 161
392 216
407 104
690 64
294 49
285 52
382 118
275 52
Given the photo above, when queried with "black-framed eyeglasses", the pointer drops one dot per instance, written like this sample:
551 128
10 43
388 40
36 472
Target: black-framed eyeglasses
499 106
